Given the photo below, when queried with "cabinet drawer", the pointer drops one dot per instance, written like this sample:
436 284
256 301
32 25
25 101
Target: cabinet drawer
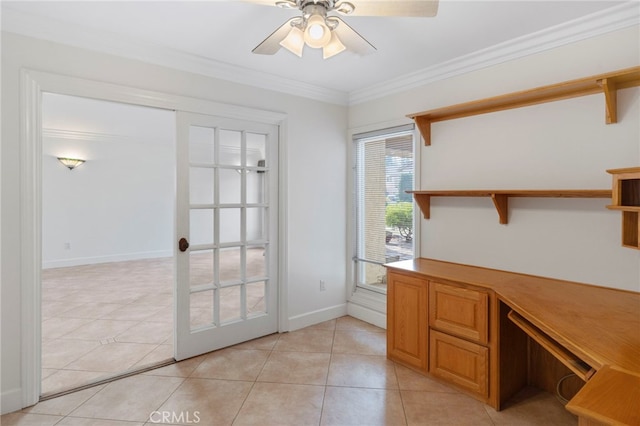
459 311
460 362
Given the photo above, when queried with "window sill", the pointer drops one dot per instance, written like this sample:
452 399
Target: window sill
373 300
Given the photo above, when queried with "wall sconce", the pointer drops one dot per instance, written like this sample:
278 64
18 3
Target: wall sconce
70 163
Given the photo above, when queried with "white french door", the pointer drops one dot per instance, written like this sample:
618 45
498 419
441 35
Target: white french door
227 218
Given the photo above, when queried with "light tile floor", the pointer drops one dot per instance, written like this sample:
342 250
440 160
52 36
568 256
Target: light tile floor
333 373
104 319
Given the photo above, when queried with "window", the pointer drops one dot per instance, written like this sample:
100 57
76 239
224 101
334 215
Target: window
384 170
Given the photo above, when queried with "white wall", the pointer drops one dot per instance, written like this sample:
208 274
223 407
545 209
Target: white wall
563 144
315 167
118 205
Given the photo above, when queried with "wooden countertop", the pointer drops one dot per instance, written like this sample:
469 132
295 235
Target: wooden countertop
601 325
607 395
598 324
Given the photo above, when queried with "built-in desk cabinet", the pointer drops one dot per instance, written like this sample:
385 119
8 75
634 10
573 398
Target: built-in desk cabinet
491 333
451 331
441 329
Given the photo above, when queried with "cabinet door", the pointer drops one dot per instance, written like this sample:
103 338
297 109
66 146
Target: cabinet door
459 311
407 325
460 362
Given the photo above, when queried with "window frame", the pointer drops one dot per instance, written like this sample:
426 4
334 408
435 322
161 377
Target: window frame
356 294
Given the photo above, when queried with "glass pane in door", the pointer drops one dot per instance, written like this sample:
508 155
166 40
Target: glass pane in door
256 262
201 185
201 268
231 231
230 148
231 265
257 219
231 308
201 308
255 298
201 222
230 185
257 178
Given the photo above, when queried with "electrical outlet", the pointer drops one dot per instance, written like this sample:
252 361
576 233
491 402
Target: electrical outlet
67 246
322 286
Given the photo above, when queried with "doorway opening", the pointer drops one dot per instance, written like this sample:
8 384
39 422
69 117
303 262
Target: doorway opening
108 228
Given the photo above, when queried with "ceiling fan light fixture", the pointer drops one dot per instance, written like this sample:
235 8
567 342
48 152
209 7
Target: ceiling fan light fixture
317 34
294 41
334 47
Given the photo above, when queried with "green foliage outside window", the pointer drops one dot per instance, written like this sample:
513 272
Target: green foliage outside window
400 216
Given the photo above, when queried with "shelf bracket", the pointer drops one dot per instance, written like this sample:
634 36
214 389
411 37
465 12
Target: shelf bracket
610 99
424 125
424 202
501 201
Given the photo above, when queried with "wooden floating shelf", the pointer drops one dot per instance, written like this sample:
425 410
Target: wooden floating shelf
607 84
501 197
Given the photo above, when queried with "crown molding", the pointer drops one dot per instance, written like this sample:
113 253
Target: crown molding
84 37
611 19
608 20
78 135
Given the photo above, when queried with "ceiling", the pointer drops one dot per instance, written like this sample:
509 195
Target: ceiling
222 34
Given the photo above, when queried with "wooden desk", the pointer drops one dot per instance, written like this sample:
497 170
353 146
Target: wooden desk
601 326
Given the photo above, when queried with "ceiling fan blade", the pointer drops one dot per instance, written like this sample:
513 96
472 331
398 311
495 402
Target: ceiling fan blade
351 39
262 2
425 8
285 4
271 44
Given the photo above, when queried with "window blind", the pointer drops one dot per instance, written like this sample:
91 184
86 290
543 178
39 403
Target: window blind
384 170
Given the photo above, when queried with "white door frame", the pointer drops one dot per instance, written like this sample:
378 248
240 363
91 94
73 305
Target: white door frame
32 85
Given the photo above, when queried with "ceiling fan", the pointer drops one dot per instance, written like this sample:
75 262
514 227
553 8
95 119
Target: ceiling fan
317 29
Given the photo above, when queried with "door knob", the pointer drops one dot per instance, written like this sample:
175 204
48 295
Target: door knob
183 244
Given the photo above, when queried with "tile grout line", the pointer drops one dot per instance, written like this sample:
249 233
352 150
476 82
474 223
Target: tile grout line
326 380
184 379
404 410
253 384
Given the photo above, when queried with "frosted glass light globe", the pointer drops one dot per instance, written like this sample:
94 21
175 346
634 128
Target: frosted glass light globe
317 34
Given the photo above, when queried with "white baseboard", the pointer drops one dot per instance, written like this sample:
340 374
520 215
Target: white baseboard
366 314
315 317
63 263
11 401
